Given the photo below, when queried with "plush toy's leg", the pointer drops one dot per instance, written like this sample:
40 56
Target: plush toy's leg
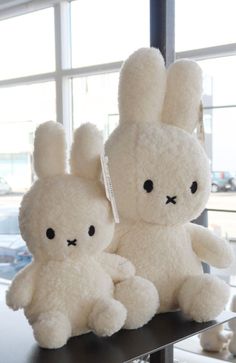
107 317
140 298
52 329
203 297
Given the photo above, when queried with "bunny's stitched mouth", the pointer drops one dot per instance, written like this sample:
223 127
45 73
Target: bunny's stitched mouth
171 199
72 243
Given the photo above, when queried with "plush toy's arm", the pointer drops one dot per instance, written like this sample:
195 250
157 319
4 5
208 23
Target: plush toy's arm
20 293
119 268
210 248
224 336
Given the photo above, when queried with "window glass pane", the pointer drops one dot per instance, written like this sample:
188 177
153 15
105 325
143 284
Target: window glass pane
108 30
219 81
27 44
204 23
22 109
221 141
221 149
222 223
95 100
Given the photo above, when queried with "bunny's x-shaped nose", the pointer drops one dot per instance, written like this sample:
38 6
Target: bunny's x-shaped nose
171 199
72 243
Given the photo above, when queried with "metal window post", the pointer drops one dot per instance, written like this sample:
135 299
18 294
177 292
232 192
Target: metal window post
162 28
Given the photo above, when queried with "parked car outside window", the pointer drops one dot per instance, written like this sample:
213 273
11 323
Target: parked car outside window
222 181
14 254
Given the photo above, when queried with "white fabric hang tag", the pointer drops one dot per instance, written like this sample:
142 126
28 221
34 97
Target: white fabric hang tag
108 186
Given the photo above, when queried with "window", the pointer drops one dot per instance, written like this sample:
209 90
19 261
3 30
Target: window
204 23
210 39
27 47
25 103
113 29
57 58
57 70
101 92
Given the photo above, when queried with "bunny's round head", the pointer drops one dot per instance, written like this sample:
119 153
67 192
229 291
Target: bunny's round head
159 170
66 215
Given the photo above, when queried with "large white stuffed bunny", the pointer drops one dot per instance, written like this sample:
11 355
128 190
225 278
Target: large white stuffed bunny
161 181
66 222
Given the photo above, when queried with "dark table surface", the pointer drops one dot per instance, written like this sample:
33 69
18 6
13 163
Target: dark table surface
17 344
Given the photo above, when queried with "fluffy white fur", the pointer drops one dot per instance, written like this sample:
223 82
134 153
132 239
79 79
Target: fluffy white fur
215 339
49 150
150 77
183 92
85 150
155 233
69 288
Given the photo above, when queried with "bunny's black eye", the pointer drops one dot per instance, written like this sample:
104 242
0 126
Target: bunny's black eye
91 231
194 187
50 233
148 185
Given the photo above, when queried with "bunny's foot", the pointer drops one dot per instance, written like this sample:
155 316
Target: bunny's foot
107 317
52 329
203 297
140 298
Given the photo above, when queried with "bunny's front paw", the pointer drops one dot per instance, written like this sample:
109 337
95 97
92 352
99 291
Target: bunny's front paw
125 269
107 317
17 298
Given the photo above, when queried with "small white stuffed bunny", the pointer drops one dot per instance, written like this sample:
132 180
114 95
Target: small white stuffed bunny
161 181
66 222
215 339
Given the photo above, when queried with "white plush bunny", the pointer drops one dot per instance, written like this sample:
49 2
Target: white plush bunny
66 222
215 339
161 181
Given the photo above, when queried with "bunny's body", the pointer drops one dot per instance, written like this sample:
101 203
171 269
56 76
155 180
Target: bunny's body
161 181
66 222
58 278
173 245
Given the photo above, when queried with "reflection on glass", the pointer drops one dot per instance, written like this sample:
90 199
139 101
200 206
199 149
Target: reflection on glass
219 81
95 100
23 108
204 23
107 30
27 44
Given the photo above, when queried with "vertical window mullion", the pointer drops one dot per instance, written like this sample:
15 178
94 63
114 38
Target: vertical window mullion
63 62
162 28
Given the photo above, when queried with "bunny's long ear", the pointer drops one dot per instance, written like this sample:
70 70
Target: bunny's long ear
142 86
183 95
49 150
85 152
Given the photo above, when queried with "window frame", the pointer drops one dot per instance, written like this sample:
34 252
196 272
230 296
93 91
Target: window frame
64 73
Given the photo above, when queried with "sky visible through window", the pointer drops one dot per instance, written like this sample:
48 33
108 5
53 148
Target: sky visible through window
204 23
